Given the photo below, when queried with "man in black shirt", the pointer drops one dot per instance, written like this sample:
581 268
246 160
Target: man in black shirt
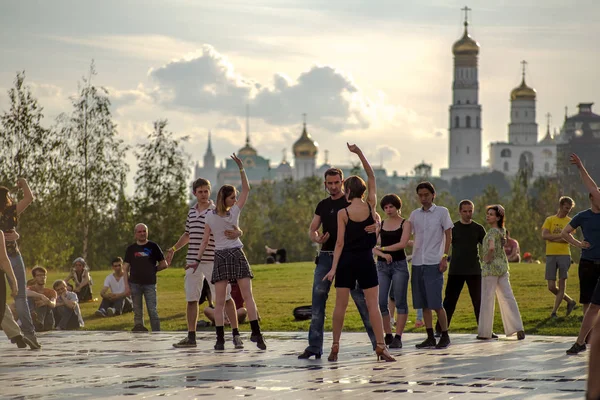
326 215
143 260
464 266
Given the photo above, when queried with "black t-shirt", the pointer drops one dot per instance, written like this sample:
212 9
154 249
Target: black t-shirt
143 261
8 222
465 253
328 209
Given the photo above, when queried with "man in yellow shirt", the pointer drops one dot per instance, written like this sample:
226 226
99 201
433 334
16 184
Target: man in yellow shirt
558 254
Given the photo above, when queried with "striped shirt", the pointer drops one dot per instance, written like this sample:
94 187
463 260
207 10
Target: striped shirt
194 226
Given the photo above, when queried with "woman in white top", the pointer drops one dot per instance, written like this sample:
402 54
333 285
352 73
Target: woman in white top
231 264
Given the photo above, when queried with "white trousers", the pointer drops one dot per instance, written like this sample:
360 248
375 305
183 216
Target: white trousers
9 325
492 286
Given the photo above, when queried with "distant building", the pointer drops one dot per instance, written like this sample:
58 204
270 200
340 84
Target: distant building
523 151
464 148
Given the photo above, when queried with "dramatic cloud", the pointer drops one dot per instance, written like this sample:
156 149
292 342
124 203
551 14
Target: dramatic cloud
207 82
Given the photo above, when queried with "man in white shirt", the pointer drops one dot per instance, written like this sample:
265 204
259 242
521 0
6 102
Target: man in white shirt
114 299
432 230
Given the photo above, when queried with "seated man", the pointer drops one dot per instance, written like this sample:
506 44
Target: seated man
241 311
276 256
42 300
512 250
66 313
114 299
80 274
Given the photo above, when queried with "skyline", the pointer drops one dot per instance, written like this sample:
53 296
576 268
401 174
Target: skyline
387 89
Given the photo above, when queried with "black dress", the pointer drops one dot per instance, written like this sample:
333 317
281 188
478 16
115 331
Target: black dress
356 263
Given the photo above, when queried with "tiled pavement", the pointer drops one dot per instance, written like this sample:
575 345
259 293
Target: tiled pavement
115 364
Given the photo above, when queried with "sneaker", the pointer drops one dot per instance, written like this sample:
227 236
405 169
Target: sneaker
237 342
203 324
428 343
32 342
419 323
185 343
520 335
220 345
443 343
259 340
388 339
437 334
101 312
494 336
572 305
576 349
139 328
396 343
554 316
110 311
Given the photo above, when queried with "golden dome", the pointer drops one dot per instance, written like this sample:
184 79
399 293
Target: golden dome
305 146
466 45
247 150
523 92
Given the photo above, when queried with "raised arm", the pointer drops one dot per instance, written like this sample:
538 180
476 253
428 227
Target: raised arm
585 177
371 184
245 185
27 195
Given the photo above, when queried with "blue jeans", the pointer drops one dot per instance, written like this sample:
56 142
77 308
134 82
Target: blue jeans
320 293
393 276
66 318
21 300
149 292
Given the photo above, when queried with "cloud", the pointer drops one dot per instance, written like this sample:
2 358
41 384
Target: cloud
206 81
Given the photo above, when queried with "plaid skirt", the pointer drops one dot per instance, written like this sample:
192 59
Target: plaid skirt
230 265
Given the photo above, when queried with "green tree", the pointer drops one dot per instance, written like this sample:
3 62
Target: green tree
95 160
162 186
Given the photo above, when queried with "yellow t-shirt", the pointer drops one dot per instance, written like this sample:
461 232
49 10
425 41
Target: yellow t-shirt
555 225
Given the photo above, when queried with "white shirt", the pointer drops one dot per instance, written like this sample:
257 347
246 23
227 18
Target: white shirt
116 286
218 226
429 229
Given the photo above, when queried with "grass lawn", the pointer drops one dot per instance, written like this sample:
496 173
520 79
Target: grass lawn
278 288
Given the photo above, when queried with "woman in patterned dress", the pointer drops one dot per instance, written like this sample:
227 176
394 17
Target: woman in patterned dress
495 280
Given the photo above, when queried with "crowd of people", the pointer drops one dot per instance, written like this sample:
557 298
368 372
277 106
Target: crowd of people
365 257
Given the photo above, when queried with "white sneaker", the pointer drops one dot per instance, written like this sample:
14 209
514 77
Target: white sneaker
110 311
100 312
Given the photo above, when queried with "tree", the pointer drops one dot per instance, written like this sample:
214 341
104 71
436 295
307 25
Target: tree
27 149
95 157
162 185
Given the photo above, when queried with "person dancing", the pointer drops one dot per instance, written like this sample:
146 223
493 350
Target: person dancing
392 268
230 263
495 281
353 255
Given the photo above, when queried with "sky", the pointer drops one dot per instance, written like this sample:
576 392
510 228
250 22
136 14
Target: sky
376 73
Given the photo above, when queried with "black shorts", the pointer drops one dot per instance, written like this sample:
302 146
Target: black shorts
356 267
589 276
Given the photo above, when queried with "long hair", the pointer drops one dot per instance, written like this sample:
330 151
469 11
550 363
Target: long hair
224 192
355 187
499 214
5 200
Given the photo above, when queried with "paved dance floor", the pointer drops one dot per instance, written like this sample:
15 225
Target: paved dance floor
115 364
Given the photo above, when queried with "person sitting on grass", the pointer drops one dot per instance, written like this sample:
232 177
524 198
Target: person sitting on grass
238 299
512 249
42 300
80 274
276 256
66 313
114 299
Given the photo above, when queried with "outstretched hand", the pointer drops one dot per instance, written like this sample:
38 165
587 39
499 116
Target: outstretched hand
353 148
575 160
237 161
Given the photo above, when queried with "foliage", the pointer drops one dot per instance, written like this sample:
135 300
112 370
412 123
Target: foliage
162 186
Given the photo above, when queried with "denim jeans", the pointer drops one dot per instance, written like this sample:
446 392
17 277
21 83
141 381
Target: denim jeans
121 306
393 276
66 318
21 304
149 292
320 293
